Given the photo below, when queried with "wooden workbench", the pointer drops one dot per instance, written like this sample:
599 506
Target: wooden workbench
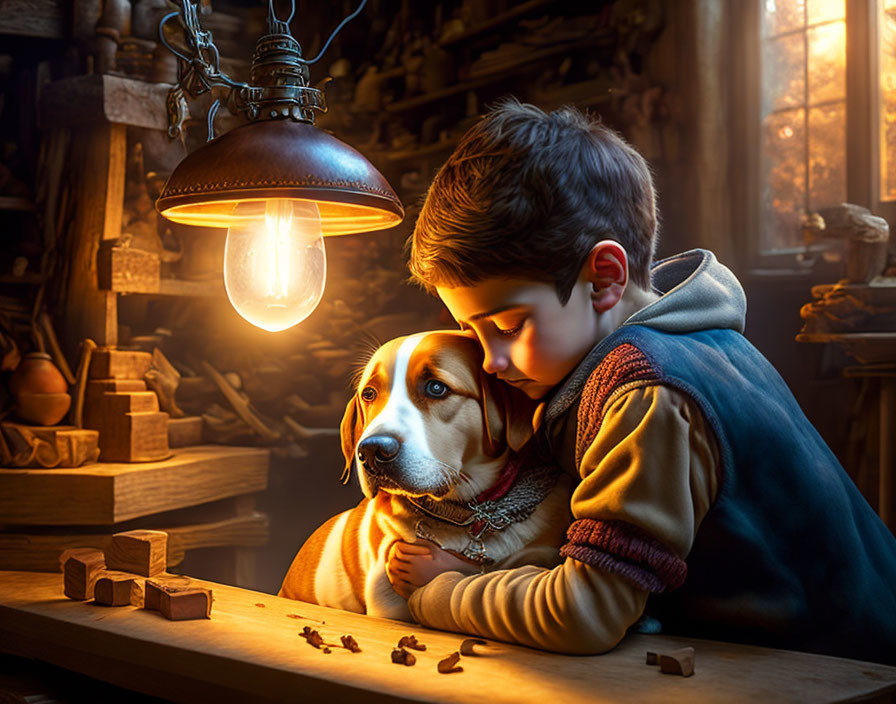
251 650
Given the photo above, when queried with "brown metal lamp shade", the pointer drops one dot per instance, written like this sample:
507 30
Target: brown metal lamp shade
280 158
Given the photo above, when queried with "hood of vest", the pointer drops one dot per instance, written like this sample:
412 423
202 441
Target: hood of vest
697 293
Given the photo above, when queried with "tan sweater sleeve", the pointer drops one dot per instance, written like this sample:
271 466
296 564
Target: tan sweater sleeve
653 464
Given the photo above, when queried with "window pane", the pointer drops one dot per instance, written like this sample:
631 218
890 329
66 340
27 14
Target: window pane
783 173
783 73
825 10
827 155
887 63
782 16
827 62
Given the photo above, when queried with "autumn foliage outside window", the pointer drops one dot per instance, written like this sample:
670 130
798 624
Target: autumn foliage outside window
803 149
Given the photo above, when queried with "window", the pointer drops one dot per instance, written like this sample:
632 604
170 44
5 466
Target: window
814 113
886 23
803 114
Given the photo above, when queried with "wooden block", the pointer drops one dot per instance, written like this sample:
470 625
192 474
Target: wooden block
135 437
152 595
678 662
185 604
142 552
95 395
82 568
50 447
184 432
117 403
108 362
127 270
114 588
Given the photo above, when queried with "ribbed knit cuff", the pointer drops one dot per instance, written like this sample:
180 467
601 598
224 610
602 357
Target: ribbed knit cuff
430 605
624 549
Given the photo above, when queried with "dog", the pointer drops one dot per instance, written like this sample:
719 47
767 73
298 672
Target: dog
434 440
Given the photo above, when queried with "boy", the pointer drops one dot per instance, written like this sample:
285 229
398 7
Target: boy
706 500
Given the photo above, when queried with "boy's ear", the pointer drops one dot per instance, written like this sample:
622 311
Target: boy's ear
507 414
606 268
350 429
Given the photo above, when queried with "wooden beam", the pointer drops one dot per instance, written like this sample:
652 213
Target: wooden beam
99 99
101 153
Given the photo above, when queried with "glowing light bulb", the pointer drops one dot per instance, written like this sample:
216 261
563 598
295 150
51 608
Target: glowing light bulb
274 262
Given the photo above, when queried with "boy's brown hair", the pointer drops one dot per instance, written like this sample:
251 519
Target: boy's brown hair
527 194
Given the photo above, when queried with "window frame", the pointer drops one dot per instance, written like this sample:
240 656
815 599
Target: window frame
862 125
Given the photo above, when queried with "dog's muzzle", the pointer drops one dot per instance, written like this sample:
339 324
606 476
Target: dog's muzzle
377 452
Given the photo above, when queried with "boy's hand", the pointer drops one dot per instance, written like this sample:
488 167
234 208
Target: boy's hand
411 565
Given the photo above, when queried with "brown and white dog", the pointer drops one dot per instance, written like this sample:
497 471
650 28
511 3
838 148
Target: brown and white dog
434 440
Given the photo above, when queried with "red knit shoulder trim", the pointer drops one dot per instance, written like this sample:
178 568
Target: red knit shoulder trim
622 365
624 549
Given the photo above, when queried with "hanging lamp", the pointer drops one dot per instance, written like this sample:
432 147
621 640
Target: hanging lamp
278 184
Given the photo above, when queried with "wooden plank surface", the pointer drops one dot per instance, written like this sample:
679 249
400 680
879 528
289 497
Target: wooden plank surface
111 492
251 652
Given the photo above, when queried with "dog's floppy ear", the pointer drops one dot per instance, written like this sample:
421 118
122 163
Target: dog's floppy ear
508 415
350 429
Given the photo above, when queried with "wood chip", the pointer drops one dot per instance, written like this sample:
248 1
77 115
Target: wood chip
260 606
466 648
678 662
400 656
411 642
312 636
349 643
652 658
449 664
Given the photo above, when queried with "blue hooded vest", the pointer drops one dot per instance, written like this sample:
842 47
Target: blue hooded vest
790 555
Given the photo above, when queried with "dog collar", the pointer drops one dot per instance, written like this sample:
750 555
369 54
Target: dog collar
513 498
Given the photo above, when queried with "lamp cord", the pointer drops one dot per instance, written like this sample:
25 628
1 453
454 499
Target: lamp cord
335 31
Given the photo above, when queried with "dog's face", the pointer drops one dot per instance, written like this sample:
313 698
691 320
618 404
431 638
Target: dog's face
425 417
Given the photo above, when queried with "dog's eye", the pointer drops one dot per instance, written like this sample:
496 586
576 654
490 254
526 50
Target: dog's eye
435 388
368 394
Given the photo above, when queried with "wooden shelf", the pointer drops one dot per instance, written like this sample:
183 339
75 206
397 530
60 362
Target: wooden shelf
33 18
597 39
426 150
178 287
16 203
110 492
497 21
39 550
28 278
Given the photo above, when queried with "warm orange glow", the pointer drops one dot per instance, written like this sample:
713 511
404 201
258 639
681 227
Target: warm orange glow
887 101
825 10
336 218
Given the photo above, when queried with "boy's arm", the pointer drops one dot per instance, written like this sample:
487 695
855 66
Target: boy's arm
648 479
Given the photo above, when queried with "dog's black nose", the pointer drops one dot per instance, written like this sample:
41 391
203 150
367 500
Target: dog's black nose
378 449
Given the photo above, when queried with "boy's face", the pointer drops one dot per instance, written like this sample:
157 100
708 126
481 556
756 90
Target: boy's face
530 339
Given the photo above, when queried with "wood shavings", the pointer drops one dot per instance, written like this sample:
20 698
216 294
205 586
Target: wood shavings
400 656
349 643
449 665
411 642
466 648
